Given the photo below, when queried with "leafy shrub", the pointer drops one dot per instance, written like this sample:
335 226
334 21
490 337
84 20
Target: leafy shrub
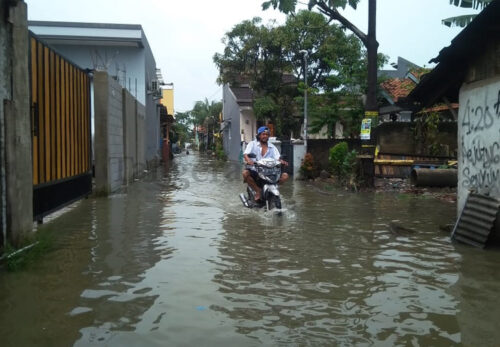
344 164
307 168
337 156
219 150
349 166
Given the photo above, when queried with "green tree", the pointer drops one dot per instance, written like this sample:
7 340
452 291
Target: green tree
206 114
263 55
255 54
337 72
330 8
181 130
464 20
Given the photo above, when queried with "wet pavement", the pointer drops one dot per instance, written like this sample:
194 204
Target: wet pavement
176 261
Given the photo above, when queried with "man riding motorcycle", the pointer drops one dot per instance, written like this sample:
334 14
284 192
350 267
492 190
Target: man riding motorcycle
262 148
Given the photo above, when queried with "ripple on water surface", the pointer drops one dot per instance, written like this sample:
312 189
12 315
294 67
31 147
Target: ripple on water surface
177 260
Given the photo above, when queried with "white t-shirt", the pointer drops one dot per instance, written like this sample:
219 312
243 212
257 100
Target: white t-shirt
255 147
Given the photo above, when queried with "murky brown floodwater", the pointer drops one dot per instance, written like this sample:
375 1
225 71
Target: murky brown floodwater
177 262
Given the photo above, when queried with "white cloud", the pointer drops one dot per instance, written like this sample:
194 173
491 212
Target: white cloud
184 35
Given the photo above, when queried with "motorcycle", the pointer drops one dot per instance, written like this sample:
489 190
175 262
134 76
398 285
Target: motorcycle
269 173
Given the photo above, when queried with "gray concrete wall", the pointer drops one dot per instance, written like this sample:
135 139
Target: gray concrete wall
119 141
152 132
141 138
115 136
153 152
101 92
129 136
5 93
479 139
16 179
108 142
399 138
231 134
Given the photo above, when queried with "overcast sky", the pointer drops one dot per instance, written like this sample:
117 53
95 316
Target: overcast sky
184 35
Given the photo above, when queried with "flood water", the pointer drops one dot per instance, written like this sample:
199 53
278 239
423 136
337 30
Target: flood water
177 261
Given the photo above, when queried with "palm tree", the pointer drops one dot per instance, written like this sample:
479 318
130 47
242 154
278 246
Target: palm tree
462 21
206 114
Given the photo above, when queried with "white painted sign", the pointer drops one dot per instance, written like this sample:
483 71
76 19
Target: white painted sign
479 139
366 126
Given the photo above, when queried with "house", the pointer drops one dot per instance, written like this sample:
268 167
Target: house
167 118
468 72
395 87
401 69
123 51
239 124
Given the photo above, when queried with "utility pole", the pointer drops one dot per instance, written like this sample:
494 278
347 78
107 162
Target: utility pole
371 108
305 55
370 120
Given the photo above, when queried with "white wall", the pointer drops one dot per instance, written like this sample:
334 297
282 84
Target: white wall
231 133
248 125
299 152
126 63
479 139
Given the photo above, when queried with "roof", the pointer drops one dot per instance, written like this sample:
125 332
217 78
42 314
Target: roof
398 88
288 78
453 61
79 33
402 68
244 95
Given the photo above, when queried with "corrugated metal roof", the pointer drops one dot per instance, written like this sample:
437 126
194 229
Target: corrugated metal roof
476 221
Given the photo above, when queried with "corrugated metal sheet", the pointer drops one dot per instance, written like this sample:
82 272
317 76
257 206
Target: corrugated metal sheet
476 220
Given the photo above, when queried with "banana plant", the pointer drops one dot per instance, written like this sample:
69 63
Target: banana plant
464 20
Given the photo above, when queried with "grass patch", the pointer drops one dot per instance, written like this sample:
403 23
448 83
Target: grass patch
17 259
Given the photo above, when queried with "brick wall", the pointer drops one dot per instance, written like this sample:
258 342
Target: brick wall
120 137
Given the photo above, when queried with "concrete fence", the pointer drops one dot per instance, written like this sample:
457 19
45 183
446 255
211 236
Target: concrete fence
16 170
119 140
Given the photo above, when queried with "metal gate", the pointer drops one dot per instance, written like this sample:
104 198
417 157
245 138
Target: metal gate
61 133
287 152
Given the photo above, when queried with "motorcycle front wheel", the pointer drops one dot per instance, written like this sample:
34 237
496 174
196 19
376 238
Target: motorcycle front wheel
274 202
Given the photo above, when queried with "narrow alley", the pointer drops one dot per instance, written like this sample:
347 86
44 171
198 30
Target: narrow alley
176 260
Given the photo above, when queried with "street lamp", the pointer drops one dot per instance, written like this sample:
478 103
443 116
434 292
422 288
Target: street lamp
305 55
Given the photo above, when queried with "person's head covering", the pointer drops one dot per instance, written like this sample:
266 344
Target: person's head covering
262 129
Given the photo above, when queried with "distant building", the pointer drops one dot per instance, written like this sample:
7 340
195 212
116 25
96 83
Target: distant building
239 124
167 99
401 69
121 50
396 85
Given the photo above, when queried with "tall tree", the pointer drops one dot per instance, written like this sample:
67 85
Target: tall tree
206 114
181 127
330 8
266 56
255 54
464 20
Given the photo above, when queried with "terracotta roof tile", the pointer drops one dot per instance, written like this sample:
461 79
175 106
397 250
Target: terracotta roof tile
398 88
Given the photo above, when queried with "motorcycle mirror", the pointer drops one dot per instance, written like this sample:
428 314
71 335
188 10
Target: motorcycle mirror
252 155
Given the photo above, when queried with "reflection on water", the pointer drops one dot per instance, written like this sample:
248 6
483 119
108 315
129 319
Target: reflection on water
178 261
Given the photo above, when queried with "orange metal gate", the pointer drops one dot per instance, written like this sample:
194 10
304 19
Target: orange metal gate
61 130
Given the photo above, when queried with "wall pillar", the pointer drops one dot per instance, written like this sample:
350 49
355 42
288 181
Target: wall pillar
101 95
17 171
299 152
